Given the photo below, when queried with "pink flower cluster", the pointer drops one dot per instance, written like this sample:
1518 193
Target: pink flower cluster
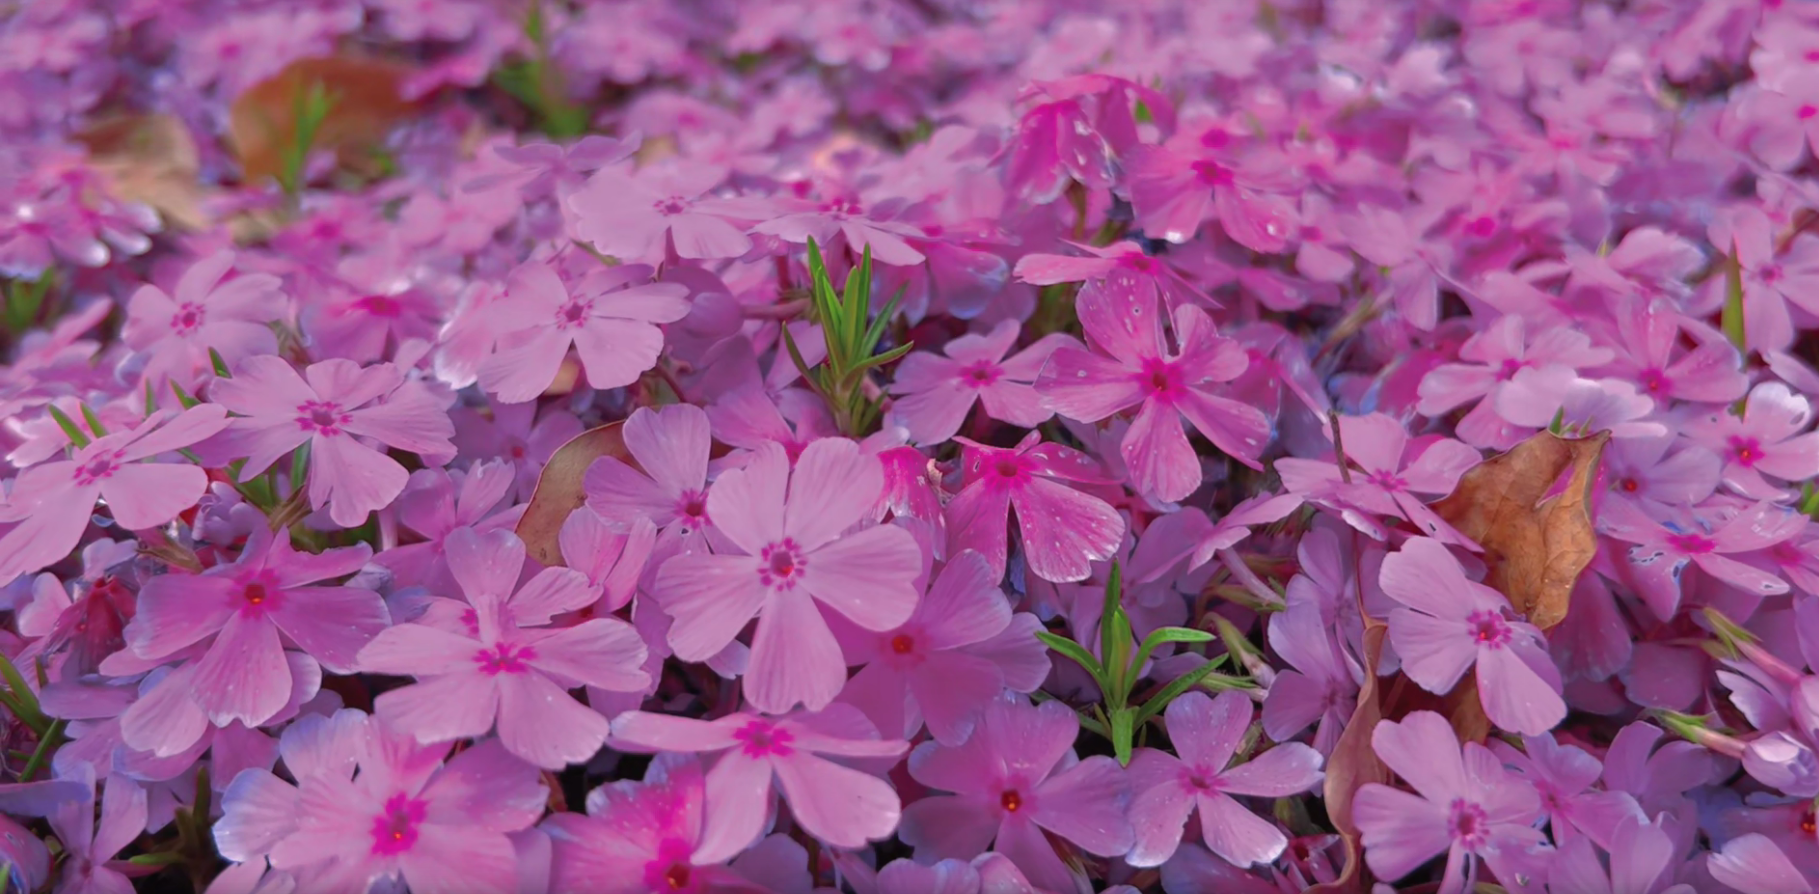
902 447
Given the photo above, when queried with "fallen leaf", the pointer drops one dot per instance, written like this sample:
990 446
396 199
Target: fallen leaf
1354 764
368 102
152 160
1536 540
559 490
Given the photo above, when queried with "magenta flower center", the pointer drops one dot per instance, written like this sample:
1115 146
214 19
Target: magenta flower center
671 206
1654 381
1691 544
380 306
260 595
1141 263
691 508
1011 800
981 373
1488 629
574 313
98 468
1212 173
189 317
395 830
1629 485
322 417
1806 112
780 564
1770 273
761 738
1510 367
1389 481
504 658
671 870
1199 780
1745 452
1160 379
1481 227
1467 824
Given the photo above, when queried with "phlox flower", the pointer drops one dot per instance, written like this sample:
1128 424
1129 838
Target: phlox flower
1174 186
1488 361
1646 337
1538 398
838 804
1320 685
91 846
518 434
800 558
1662 551
955 655
1447 624
508 670
610 322
1642 861
333 407
1166 789
1133 366
253 608
1391 470
206 313
1754 864
639 217
1769 441
1015 778
369 803
668 487
1121 260
437 503
934 393
1563 776
53 500
638 837
1063 530
1464 805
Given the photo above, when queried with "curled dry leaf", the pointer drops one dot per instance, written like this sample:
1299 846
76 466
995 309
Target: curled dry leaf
1537 538
1354 764
559 491
151 159
367 102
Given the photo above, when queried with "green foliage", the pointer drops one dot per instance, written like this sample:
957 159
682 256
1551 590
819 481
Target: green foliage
538 84
311 107
1116 718
852 333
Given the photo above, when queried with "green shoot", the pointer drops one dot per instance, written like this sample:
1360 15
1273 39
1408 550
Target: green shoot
852 333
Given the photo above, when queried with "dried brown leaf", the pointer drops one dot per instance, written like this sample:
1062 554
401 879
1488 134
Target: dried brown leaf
1354 764
151 159
1536 541
263 121
559 490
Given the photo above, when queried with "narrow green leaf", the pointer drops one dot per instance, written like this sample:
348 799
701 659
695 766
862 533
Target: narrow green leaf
1114 592
70 429
94 424
48 742
299 466
1123 728
183 397
1073 651
880 359
1168 693
220 364
161 858
1730 319
1166 635
875 333
151 400
795 355
25 700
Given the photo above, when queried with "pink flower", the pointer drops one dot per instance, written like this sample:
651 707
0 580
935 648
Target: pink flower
229 317
1064 531
1489 359
90 846
1540 398
935 392
1390 471
1647 335
612 329
1134 367
509 670
1662 552
638 218
1013 779
437 503
252 607
1753 864
1320 686
1465 805
1120 260
669 486
958 653
515 433
836 803
1447 623
370 804
1174 186
639 837
1767 438
798 561
331 407
1563 776
1166 789
53 500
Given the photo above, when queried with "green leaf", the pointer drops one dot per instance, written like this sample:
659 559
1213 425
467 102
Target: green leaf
1109 612
1166 635
48 742
94 424
1073 650
25 701
220 364
151 400
161 858
1730 319
183 397
1123 729
299 466
70 429
1168 693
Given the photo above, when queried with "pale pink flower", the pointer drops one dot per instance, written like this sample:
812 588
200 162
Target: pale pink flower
177 332
1063 530
934 393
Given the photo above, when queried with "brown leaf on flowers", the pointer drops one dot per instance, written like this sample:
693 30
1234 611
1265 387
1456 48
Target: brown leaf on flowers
1536 529
559 490
150 159
262 124
1354 764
